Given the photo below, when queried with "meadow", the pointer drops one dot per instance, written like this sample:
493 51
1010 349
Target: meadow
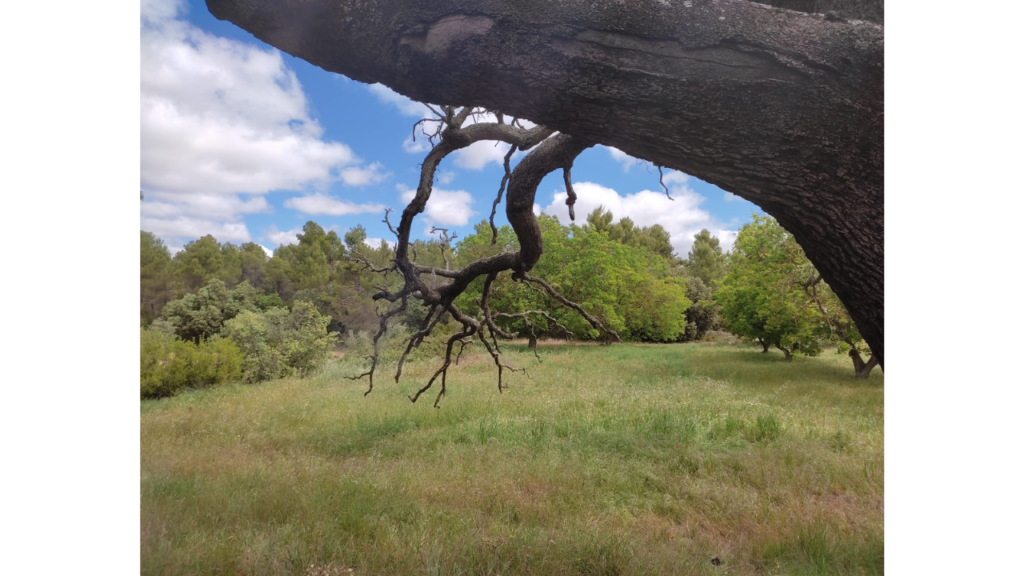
626 459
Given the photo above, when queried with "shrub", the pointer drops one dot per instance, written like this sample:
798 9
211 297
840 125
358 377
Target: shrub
278 343
169 365
201 315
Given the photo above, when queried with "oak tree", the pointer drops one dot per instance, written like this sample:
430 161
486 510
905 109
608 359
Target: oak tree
779 102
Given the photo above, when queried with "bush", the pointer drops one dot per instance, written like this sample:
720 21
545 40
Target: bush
278 343
201 315
169 365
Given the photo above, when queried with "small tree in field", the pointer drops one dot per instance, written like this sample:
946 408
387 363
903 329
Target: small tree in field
774 295
762 297
838 326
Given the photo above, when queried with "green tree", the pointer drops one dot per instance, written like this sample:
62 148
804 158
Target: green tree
155 285
654 238
198 262
630 289
355 237
762 298
279 342
702 316
705 260
253 259
199 316
837 326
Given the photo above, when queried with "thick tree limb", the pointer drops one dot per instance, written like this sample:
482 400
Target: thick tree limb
551 154
780 107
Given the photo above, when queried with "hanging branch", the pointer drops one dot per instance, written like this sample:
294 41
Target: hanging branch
504 181
438 288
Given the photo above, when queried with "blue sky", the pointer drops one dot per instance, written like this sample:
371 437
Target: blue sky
247 143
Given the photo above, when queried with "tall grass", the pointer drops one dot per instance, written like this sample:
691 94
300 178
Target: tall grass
628 459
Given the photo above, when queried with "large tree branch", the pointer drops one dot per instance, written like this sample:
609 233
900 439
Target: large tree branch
782 108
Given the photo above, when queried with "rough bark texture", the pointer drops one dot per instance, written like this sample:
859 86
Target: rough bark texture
862 369
780 107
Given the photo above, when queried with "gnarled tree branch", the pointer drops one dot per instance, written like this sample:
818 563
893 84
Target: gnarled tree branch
783 108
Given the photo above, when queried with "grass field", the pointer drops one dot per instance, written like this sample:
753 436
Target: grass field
629 459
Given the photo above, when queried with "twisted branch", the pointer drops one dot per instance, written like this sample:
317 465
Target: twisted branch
548 153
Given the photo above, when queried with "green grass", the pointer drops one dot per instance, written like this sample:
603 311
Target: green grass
629 459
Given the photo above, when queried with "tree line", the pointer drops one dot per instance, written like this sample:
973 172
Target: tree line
282 313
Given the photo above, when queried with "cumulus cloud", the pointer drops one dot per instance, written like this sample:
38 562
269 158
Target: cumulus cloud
730 197
621 157
445 177
417 146
219 119
681 217
206 206
376 242
480 154
279 238
446 207
183 227
328 205
357 176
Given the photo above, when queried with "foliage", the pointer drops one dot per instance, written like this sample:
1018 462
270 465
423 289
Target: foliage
838 327
654 238
198 316
155 268
279 342
702 316
762 297
705 260
198 262
169 365
629 288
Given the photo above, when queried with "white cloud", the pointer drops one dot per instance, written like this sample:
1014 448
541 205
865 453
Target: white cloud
221 118
681 217
376 242
445 176
267 250
357 176
204 206
322 204
621 157
184 227
406 106
730 197
445 207
480 154
418 146
279 238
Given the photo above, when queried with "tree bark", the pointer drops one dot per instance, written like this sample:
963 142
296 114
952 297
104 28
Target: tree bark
788 353
764 345
862 369
782 108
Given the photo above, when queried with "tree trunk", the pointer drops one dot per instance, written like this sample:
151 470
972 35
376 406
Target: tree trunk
788 353
782 108
764 345
533 342
862 369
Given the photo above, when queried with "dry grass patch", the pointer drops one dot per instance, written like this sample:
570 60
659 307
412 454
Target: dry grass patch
607 460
